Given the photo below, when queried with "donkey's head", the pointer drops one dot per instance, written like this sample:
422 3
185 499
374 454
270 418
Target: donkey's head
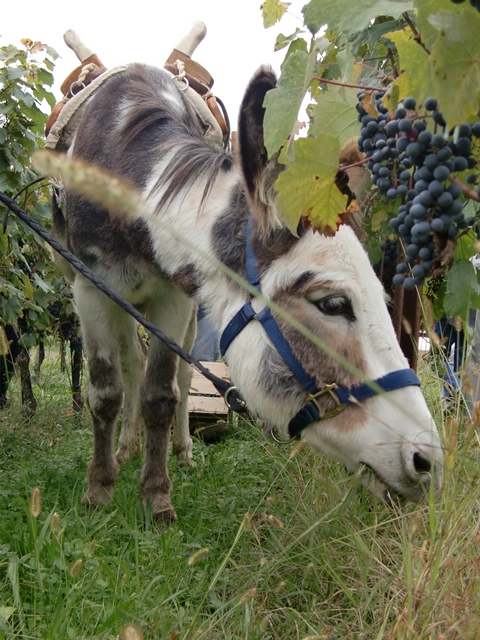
327 286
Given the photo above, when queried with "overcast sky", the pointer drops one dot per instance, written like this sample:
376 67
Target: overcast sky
140 31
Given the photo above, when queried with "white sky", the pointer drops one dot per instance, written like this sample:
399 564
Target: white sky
120 32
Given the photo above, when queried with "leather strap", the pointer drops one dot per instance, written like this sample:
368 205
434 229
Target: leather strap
70 86
74 75
203 90
192 68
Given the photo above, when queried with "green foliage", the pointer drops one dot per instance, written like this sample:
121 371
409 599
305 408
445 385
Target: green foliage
27 276
418 48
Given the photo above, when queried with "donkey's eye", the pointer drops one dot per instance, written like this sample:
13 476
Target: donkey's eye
335 305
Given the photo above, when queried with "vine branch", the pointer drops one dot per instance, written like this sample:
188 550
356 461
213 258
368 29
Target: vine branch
350 86
416 34
467 192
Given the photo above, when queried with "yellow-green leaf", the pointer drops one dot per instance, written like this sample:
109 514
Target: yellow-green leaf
272 11
307 187
414 79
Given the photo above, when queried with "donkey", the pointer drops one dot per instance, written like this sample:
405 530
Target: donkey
140 126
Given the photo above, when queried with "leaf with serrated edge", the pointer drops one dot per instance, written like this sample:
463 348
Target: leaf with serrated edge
272 11
336 114
340 15
307 188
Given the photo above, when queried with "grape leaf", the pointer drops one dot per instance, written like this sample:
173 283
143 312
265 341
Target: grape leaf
272 11
307 187
346 62
414 79
455 63
463 290
283 41
335 113
466 244
283 103
425 9
339 16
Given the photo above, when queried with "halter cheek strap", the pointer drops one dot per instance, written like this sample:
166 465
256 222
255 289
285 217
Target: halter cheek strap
342 396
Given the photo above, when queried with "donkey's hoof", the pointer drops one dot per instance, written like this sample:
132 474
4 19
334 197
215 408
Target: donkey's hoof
97 495
185 458
165 518
188 462
124 454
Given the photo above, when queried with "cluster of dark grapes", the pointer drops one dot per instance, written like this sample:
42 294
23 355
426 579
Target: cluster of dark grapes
389 256
408 161
474 3
68 329
55 308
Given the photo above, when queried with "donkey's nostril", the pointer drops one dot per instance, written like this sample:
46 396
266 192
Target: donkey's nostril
421 464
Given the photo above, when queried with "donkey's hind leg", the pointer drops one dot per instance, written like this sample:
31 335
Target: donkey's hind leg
133 355
181 440
100 320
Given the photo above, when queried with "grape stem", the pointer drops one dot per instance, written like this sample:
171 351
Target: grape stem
385 75
416 35
355 164
351 86
469 193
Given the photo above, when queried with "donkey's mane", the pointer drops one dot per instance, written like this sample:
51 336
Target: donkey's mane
178 134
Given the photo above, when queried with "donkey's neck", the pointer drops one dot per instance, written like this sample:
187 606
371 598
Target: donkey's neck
193 239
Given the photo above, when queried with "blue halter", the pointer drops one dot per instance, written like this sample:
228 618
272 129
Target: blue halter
342 396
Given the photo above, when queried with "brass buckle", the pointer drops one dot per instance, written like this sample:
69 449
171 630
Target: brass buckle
330 390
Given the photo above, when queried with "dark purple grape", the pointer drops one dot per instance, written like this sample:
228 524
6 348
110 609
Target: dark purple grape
436 188
410 103
461 164
409 283
432 103
405 125
441 172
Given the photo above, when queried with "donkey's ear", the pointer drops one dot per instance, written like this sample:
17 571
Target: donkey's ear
252 154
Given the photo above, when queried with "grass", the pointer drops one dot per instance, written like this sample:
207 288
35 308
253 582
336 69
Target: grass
271 542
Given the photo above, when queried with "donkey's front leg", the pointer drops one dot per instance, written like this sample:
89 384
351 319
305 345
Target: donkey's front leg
104 402
98 318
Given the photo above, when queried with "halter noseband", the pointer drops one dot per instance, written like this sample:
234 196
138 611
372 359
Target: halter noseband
342 396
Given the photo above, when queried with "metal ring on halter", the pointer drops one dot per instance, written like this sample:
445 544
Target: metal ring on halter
185 80
228 392
279 440
76 84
